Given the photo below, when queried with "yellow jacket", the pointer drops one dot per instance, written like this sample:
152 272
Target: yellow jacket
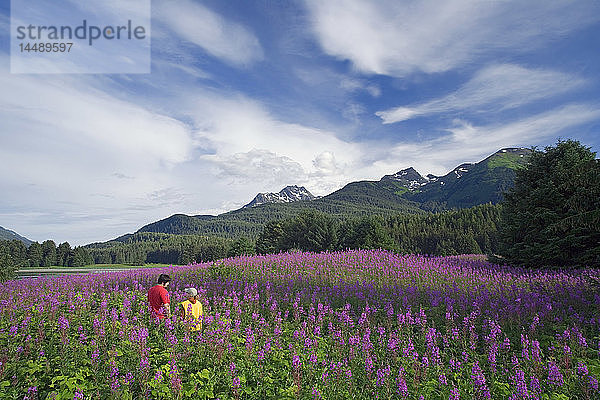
193 314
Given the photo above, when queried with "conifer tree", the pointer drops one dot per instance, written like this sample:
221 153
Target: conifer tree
551 217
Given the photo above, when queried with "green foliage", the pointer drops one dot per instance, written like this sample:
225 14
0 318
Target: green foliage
35 254
311 231
48 253
469 231
241 246
62 254
269 241
7 265
365 233
551 216
80 257
161 248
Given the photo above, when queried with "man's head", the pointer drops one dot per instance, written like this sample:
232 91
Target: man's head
164 279
191 293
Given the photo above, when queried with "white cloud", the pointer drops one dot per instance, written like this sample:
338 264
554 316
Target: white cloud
223 39
259 167
237 129
494 88
326 165
80 156
469 143
353 112
400 37
71 109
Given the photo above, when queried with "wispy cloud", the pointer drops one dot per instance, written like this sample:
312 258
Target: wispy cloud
68 141
224 39
467 142
353 84
495 88
78 113
238 128
400 37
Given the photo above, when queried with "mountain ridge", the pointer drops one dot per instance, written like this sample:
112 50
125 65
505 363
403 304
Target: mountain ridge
7 234
288 194
406 191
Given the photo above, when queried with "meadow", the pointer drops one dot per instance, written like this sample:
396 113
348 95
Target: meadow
365 324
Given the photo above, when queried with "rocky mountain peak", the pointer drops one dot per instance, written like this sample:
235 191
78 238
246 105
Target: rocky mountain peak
287 195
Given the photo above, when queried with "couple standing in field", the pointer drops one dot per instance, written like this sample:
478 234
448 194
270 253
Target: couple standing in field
190 310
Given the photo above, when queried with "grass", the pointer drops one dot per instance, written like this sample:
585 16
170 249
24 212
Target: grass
401 191
101 266
512 161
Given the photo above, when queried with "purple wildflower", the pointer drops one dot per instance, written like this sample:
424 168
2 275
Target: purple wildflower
554 375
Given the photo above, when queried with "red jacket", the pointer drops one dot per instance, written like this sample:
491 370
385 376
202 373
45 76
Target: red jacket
157 296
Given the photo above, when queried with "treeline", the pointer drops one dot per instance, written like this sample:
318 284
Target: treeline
466 231
150 247
45 254
136 249
14 255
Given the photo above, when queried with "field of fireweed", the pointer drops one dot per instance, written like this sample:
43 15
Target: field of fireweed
357 324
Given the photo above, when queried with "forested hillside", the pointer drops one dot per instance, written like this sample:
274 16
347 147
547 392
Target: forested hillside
354 200
404 192
464 231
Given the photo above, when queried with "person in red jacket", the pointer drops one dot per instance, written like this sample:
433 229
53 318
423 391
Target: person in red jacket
158 297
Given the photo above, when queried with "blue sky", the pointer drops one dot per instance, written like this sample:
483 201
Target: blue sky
251 96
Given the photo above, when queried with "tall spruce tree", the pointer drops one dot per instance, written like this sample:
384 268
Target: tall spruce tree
48 253
7 265
62 254
269 241
551 217
34 254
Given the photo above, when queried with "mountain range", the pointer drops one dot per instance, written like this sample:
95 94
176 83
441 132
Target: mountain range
406 191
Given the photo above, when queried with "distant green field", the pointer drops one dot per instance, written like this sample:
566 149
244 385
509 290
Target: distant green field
102 266
35 272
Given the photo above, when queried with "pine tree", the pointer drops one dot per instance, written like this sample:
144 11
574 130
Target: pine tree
34 254
241 246
7 266
551 217
48 253
62 254
269 240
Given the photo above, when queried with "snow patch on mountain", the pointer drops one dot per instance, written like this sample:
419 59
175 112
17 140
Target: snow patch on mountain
288 194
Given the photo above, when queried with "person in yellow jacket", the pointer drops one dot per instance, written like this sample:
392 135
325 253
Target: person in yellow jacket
191 310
